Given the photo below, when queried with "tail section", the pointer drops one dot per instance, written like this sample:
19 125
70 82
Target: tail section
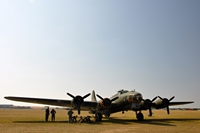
93 97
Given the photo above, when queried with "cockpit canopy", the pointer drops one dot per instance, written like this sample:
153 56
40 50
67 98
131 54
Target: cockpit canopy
122 92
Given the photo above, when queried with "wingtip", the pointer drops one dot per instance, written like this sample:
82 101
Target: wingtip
6 97
9 97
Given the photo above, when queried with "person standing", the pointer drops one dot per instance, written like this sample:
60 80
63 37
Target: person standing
70 112
47 114
53 114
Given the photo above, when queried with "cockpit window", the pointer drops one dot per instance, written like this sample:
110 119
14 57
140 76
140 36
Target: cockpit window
122 92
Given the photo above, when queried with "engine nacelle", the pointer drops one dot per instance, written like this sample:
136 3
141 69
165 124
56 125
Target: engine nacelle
162 103
105 103
146 104
159 104
77 101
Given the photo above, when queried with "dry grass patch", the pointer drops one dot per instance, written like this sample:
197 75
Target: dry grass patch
32 121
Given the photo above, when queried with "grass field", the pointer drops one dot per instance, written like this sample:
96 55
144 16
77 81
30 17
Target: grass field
32 121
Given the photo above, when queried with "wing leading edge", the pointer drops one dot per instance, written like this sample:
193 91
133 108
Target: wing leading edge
55 102
179 103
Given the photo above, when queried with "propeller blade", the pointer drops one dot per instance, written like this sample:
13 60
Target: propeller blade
171 98
86 95
150 112
167 109
160 97
70 95
114 99
143 99
107 112
154 99
78 100
79 109
106 104
165 102
99 97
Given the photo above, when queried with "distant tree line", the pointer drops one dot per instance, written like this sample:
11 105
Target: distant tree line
10 106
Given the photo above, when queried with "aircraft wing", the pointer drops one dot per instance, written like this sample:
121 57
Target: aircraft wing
86 105
178 103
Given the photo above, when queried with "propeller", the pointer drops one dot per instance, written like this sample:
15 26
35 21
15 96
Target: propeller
106 103
148 104
78 100
166 101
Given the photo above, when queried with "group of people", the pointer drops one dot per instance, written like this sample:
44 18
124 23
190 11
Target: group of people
47 113
72 119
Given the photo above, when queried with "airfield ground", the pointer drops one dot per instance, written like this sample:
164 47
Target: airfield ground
32 121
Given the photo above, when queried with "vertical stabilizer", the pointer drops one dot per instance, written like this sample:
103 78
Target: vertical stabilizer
93 97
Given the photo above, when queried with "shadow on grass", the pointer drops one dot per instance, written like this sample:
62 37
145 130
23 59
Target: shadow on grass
40 121
161 122
113 120
53 122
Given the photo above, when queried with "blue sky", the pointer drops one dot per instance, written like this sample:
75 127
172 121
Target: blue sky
48 48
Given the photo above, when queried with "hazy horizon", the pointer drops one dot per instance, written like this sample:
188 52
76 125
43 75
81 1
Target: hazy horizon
49 48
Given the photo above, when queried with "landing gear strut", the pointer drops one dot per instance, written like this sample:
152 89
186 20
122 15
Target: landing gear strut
140 116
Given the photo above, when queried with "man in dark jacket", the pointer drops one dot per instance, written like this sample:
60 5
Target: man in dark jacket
53 114
47 114
70 112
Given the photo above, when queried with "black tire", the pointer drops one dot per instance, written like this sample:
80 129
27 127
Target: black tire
140 117
98 117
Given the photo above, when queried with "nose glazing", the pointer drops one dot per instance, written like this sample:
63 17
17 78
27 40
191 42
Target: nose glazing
135 98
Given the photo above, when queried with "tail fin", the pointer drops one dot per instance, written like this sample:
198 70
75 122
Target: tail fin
93 97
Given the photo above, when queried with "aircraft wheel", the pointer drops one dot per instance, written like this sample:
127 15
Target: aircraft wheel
98 117
140 117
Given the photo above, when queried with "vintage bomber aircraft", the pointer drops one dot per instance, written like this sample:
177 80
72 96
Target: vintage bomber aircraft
122 101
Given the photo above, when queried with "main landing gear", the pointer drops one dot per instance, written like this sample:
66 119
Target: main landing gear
98 117
139 116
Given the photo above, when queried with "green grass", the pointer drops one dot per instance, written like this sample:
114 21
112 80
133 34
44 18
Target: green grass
32 121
